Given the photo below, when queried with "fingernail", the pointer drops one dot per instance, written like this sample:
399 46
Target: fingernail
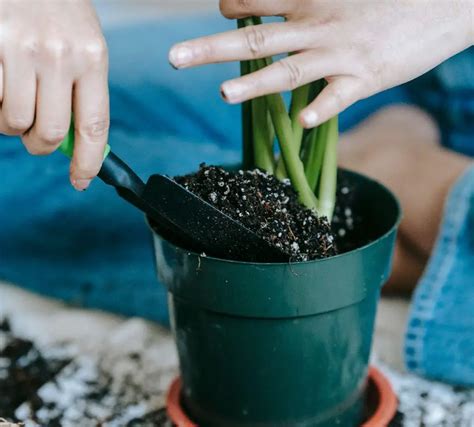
81 184
231 91
180 56
309 119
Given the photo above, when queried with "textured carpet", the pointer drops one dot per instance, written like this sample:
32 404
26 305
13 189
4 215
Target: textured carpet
61 366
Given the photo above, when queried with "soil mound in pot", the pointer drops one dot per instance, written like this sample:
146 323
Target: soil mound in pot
268 207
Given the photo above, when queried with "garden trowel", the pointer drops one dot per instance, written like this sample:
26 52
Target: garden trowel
180 216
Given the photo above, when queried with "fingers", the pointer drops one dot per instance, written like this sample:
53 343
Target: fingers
286 74
339 94
91 121
242 8
53 114
17 110
255 41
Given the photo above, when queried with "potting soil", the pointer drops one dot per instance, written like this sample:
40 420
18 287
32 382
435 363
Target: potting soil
268 207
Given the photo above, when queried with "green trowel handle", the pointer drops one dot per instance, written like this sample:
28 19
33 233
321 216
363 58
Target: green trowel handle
67 146
114 172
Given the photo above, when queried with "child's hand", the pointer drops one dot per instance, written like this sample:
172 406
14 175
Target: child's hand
53 60
360 47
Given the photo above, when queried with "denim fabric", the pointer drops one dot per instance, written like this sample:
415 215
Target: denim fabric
447 92
95 250
440 334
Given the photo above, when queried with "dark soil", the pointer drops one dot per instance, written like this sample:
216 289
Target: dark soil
271 209
347 222
266 206
23 370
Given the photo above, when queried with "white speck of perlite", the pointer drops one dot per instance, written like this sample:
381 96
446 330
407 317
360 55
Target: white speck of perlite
344 190
213 197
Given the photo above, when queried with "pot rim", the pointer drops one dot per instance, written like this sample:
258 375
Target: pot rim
384 413
391 230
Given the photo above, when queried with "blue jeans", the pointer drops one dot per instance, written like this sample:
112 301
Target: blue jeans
94 250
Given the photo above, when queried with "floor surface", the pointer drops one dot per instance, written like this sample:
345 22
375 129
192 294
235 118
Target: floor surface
63 366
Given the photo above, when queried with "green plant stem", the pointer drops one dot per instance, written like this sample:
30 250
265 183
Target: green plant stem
327 186
246 115
280 170
262 139
293 164
315 143
284 132
299 100
314 154
271 130
262 132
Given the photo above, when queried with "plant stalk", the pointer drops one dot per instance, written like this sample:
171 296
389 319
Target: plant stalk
299 100
319 170
262 132
262 138
290 155
284 132
328 184
246 117
314 154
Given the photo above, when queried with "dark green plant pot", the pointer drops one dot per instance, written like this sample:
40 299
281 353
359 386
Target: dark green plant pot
280 344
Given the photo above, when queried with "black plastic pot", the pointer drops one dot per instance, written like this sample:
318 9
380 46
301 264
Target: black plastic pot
280 344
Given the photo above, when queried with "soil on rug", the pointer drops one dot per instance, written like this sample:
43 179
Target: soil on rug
52 387
23 370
